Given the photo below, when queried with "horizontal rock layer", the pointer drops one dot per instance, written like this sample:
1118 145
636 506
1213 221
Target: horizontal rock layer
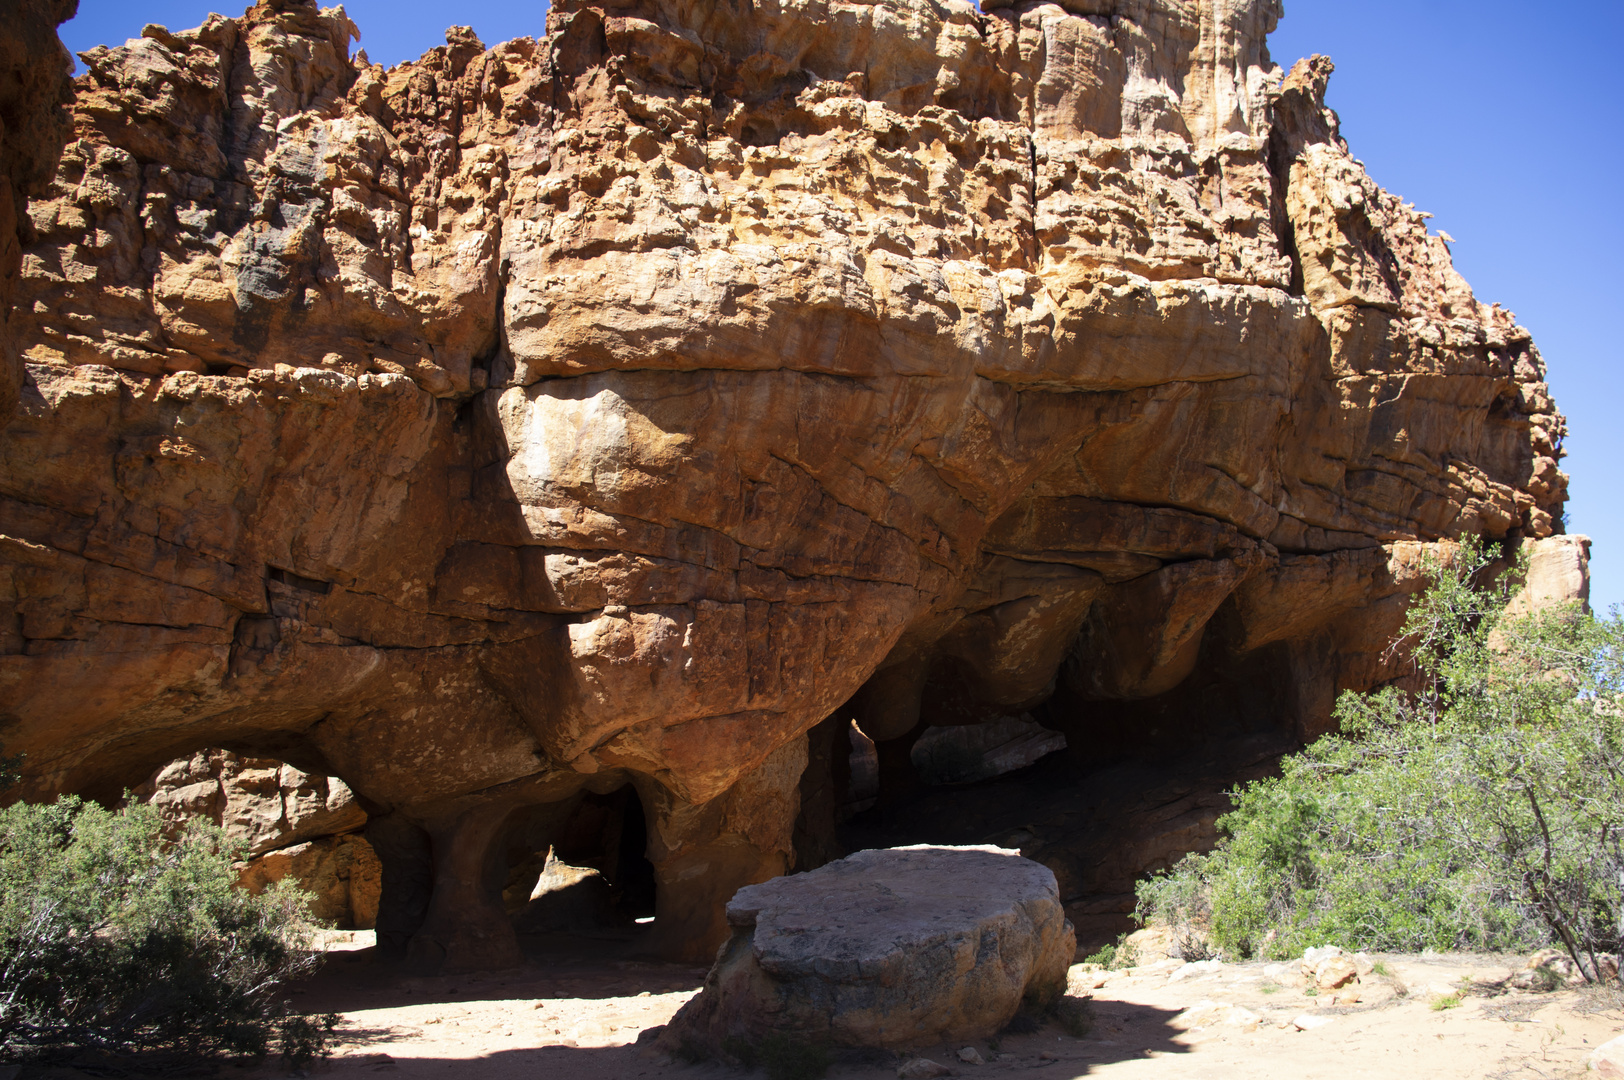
614 405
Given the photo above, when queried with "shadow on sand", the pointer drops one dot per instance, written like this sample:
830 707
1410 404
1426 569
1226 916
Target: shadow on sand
490 1031
1126 1032
498 1035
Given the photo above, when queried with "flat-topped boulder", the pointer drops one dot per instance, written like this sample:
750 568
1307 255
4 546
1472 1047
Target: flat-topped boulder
891 948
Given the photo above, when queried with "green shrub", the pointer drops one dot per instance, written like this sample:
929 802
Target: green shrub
10 769
1116 956
1483 811
114 940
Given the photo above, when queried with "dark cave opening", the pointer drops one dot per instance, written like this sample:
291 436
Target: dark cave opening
581 867
1138 783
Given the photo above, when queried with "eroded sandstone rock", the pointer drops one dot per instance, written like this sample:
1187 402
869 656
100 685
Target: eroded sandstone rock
1608 1058
610 407
35 73
261 803
342 874
291 823
894 948
965 753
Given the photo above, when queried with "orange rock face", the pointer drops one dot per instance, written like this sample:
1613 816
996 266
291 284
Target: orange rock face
613 406
34 87
290 824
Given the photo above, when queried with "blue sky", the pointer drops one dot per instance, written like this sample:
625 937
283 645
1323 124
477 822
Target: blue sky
1503 123
1498 120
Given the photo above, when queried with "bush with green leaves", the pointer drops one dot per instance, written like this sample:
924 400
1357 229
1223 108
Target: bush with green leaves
1482 811
116 940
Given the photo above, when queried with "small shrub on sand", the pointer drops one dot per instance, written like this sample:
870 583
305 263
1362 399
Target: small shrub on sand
116 941
1482 810
1121 954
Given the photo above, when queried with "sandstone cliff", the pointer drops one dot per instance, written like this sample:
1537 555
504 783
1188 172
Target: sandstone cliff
612 406
34 87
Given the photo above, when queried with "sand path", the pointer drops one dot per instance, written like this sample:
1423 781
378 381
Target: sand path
578 1018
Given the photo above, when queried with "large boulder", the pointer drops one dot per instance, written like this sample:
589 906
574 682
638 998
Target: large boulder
261 803
887 948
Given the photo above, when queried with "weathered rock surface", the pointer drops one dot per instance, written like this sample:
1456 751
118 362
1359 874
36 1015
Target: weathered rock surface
293 824
1558 572
964 753
259 802
897 948
610 407
565 899
342 874
35 84
1608 1058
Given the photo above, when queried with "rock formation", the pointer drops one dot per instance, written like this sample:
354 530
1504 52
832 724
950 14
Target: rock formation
35 84
516 429
895 949
292 825
964 753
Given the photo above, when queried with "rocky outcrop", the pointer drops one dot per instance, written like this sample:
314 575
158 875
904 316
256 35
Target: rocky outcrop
261 803
610 407
897 948
965 753
340 874
290 824
35 84
1558 573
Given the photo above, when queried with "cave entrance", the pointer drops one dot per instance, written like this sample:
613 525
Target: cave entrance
589 875
294 825
1101 791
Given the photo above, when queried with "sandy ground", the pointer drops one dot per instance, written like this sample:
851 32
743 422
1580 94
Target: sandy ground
578 1017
